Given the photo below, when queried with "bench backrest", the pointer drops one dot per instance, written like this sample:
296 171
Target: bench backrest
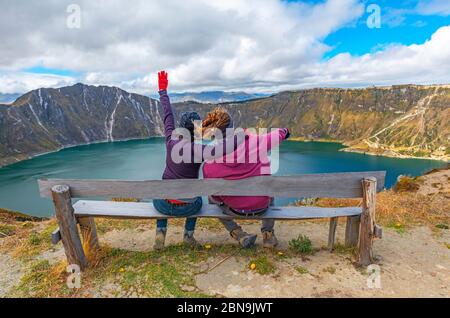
323 185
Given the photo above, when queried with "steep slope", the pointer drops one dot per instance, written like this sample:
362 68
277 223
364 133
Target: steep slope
48 119
406 120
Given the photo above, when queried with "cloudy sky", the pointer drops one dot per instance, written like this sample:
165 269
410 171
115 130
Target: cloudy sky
232 45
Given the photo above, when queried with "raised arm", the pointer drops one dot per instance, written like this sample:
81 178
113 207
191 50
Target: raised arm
275 137
169 122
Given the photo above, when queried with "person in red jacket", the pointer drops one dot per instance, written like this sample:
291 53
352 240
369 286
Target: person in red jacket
248 160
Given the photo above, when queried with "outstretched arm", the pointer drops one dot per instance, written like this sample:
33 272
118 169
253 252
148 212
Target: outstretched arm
169 122
275 137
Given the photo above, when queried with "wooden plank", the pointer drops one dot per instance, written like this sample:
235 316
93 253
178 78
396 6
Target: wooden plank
352 231
56 236
89 234
146 210
68 226
324 185
332 233
366 235
378 231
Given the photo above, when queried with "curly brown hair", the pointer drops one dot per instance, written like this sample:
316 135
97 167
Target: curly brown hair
218 118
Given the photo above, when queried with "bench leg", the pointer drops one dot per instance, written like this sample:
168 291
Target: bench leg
352 231
89 235
367 228
68 226
332 233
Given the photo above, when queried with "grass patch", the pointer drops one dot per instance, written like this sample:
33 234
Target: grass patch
329 269
344 249
302 270
403 204
34 239
398 227
43 280
7 230
262 265
128 274
408 208
442 226
32 242
302 245
151 274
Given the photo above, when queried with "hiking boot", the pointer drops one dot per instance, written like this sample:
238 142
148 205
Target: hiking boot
160 239
189 239
245 240
269 239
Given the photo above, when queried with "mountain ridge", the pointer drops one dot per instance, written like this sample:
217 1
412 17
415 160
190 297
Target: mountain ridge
401 120
213 97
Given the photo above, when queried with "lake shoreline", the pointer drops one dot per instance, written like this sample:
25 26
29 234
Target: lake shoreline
32 156
388 153
346 148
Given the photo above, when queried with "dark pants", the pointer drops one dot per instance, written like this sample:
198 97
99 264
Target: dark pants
267 225
164 207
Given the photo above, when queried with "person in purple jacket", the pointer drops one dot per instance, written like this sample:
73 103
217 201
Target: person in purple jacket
186 169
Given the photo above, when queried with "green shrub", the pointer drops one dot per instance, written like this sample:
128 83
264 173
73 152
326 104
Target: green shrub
302 270
302 245
34 239
406 184
6 230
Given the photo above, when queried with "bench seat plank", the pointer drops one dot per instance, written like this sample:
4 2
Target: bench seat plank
145 210
321 185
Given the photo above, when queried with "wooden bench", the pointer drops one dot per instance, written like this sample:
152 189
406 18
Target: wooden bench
360 227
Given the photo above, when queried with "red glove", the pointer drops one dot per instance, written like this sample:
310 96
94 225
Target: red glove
163 81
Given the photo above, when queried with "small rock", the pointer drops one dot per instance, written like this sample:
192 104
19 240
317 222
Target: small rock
187 288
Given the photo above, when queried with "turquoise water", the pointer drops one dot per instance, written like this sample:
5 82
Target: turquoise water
144 159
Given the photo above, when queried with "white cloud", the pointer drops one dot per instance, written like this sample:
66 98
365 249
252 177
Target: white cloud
431 7
20 82
202 43
248 45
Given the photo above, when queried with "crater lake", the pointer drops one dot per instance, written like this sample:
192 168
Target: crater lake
145 159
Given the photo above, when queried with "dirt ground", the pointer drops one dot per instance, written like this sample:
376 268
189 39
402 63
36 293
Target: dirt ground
437 182
413 264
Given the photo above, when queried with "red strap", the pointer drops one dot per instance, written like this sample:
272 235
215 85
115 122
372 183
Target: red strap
176 201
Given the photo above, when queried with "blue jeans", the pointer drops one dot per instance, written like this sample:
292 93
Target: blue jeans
164 207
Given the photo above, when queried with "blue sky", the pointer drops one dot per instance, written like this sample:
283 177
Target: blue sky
241 45
39 69
400 23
